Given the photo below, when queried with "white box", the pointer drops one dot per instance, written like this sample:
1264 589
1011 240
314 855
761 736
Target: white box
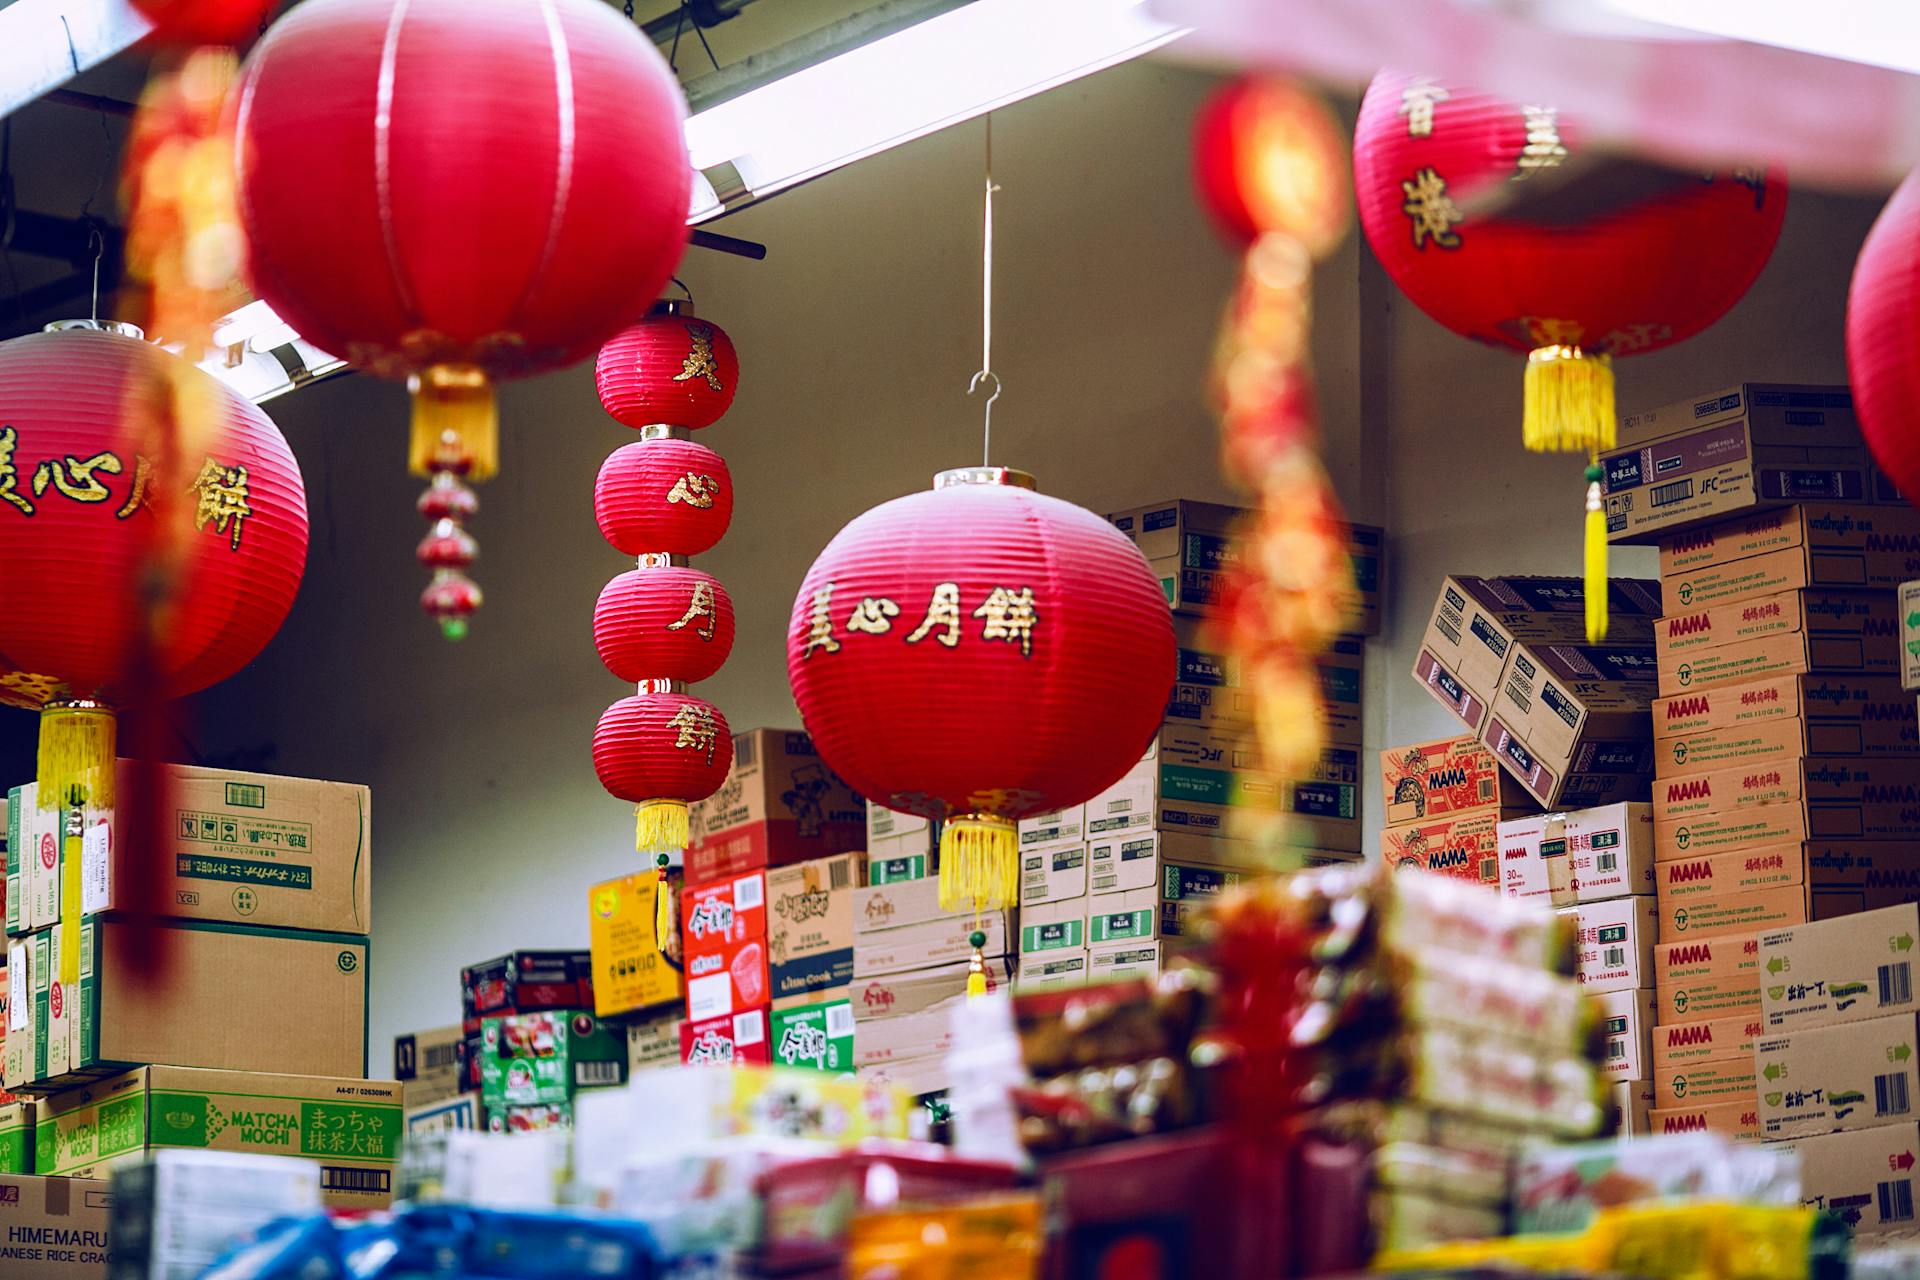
1910 635
1047 830
1052 927
1626 1019
1058 874
1123 960
1122 863
1052 971
1581 855
1614 943
890 824
1628 1103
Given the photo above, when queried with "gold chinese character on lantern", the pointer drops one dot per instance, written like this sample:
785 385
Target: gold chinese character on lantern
695 490
222 500
700 362
1416 104
1543 149
820 624
700 610
137 497
74 477
943 612
874 615
695 729
1431 210
9 476
1009 616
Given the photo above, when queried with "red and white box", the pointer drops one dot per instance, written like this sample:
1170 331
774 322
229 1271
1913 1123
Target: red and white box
722 1042
724 933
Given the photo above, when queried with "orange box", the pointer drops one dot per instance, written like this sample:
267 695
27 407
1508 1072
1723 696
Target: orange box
1429 780
724 927
1740 871
1770 744
1681 1044
1846 715
1845 797
1726 913
1759 826
1466 847
1707 978
1737 1120
1794 631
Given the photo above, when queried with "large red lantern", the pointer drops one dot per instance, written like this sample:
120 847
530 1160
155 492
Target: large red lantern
978 654
1570 292
1883 338
81 495
189 22
457 191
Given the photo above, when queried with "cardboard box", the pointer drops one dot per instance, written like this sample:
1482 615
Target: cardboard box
629 972
427 1063
1123 961
55 1228
1053 971
898 995
915 1077
32 836
654 1041
1342 669
1122 917
1185 895
1831 1079
1843 797
1680 1046
1626 1022
1598 772
893 867
1466 846
1614 943
897 904
1555 697
1722 830
352 1127
1708 978
1907 614
1198 781
723 1041
890 824
1053 875
1737 1120
1706 1083
1837 630
1584 855
818 1036
1843 715
1835 971
1783 412
810 924
910 1036
1048 830
1879 549
462 1112
16 1138
1628 1106
525 982
1441 779
779 804
1820 529
1123 863
532 1059
922 946
1057 926
724 932
1863 1178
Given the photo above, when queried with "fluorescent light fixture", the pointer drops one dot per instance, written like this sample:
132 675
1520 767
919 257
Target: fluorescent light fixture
953 67
243 324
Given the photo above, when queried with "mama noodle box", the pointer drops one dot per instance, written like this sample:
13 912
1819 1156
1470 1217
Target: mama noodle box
1706 1082
352 1127
1827 531
1613 943
56 1228
1785 634
780 803
1842 715
724 928
1739 1120
1861 548
1466 846
1829 1079
725 1041
1771 888
1844 970
1841 797
1583 855
1863 1178
629 972
1680 1046
1708 978
810 924
1446 777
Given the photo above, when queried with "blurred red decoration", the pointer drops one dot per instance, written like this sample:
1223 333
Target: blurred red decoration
1571 290
82 499
672 368
448 550
191 22
662 746
663 495
453 193
1267 157
1883 338
663 623
980 653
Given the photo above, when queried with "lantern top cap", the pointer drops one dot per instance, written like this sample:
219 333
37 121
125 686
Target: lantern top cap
664 431
671 307
985 475
120 327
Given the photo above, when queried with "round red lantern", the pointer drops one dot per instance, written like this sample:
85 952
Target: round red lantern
663 623
187 22
667 495
1883 338
980 653
82 485
662 746
1570 292
671 369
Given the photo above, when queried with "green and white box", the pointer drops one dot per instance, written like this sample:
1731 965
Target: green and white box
16 1137
817 1036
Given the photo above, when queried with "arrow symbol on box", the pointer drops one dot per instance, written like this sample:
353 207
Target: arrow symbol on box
1775 965
1904 1160
1903 943
1774 1071
1900 1052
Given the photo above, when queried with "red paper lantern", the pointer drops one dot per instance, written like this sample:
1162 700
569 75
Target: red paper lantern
1570 292
188 22
671 496
663 623
671 368
662 746
78 523
1883 338
980 653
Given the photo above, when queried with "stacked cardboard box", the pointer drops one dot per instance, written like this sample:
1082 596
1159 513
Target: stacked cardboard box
810 942
636 984
532 1040
780 804
1443 802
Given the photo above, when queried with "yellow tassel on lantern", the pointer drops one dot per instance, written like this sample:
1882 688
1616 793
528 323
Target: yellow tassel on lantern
660 826
1568 406
979 863
454 413
1596 559
76 755
666 924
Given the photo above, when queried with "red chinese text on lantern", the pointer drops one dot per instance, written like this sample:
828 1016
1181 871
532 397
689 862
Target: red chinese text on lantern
1883 338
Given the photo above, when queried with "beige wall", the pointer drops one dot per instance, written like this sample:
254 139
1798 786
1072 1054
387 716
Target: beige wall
857 335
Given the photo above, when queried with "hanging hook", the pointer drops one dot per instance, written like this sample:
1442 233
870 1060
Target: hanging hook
986 305
98 244
986 441
683 288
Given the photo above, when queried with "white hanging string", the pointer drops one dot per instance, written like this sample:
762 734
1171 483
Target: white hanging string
986 307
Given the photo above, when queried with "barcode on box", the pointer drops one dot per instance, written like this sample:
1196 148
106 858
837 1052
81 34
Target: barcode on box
1490 869
747 1030
1896 984
744 750
1606 862
839 1021
746 893
1896 1201
840 873
1616 1048
1890 1094
1614 958
336 1178
589 1074
1662 494
1487 786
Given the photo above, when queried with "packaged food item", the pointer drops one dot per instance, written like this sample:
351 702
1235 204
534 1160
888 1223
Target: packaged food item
810 909
1465 847
1615 943
1863 1178
530 1059
1582 855
1847 970
1852 1075
1452 775
1708 977
781 803
735 1038
1844 715
724 932
630 971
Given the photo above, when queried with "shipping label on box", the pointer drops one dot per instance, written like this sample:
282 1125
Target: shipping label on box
1835 971
1705 1083
1708 978
1843 715
1047 830
1739 1120
1626 1021
1781 412
921 946
1679 1046
1614 943
724 925
1123 961
810 924
629 972
1818 528
1439 779
1053 971
1466 847
724 1041
1598 772
530 1059
1795 631
780 803
1830 1079
817 1036
1864 1178
1053 875
1583 855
